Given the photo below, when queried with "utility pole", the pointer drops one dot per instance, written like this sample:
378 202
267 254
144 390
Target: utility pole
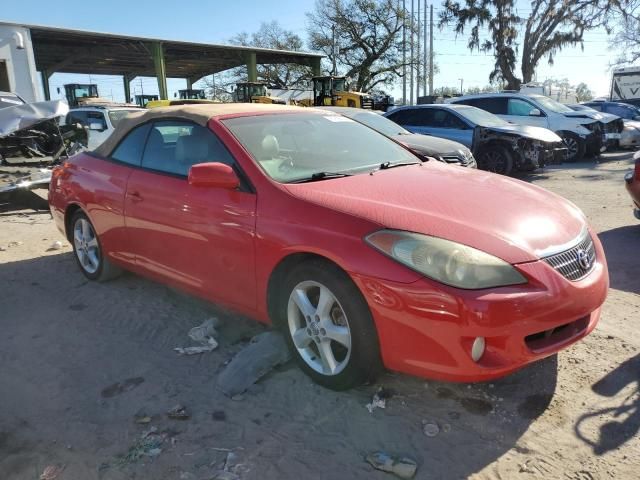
461 80
404 52
431 49
411 55
141 88
424 63
333 49
418 56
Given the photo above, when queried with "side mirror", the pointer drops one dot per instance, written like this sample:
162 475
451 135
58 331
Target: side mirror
213 174
535 113
96 126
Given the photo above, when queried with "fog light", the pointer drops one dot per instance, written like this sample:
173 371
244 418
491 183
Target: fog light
477 349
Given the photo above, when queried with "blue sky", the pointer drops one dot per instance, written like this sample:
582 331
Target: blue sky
216 22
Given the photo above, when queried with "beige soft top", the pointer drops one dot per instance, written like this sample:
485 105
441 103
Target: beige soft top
198 113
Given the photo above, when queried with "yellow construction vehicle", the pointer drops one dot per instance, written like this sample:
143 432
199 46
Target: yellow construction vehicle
335 91
255 92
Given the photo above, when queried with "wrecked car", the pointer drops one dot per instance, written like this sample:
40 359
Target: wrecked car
582 132
497 145
30 132
31 136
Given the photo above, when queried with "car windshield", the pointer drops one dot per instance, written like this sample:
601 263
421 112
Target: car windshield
291 147
116 115
377 122
481 117
550 104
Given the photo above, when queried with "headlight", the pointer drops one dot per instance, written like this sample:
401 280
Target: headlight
445 261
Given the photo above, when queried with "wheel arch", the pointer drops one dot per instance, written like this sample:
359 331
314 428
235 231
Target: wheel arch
279 272
68 215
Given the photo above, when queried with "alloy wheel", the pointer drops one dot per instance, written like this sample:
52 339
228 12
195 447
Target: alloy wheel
495 162
319 328
572 147
86 245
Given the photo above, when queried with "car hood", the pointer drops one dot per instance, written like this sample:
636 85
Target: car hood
535 133
433 146
586 114
507 218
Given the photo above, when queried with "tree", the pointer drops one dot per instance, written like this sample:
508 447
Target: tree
368 39
551 26
269 35
626 39
583 93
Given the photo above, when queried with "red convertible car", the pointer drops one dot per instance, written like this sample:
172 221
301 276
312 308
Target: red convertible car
363 254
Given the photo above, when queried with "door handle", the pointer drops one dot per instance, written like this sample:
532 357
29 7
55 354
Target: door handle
134 196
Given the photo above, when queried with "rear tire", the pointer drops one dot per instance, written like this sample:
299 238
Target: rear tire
328 326
576 146
496 159
88 250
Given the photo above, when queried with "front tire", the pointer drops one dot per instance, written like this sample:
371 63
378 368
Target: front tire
328 326
576 147
88 251
496 159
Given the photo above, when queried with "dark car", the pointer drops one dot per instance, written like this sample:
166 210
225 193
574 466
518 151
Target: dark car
441 149
622 110
498 146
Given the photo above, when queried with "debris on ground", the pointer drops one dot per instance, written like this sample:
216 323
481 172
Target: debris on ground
179 412
265 352
402 467
379 399
148 445
57 245
204 336
141 418
52 472
430 429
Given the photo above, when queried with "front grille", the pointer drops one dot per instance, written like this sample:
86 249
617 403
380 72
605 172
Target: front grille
568 263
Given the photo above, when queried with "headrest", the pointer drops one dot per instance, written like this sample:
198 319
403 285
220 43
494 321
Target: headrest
192 149
270 146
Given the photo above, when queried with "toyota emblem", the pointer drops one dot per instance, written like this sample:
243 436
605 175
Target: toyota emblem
583 259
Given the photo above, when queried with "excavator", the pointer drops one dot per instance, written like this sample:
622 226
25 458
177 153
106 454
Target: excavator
335 91
255 92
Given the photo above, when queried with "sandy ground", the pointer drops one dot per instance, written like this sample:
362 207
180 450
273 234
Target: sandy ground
79 361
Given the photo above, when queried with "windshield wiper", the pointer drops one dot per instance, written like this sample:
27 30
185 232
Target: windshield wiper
388 165
322 176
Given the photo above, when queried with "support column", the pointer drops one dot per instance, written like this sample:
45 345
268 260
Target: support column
157 53
45 84
252 68
315 66
126 83
189 82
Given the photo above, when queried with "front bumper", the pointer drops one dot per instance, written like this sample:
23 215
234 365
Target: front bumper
630 137
427 329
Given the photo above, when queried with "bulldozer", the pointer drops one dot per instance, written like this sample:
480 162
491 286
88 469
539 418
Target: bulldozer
255 92
335 91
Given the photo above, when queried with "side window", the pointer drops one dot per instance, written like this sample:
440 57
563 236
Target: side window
595 106
519 107
77 116
97 117
404 117
444 119
131 147
619 110
495 105
174 145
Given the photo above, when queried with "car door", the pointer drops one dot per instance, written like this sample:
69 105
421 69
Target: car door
524 112
198 238
434 122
